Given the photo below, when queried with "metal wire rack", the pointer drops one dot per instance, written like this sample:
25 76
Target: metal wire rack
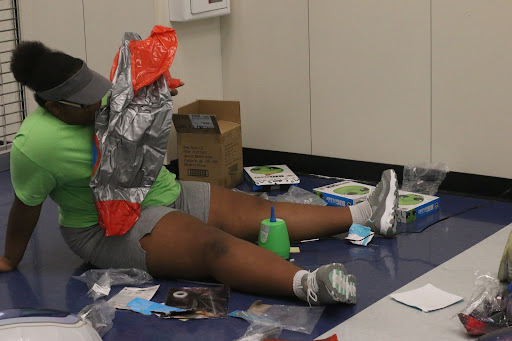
12 97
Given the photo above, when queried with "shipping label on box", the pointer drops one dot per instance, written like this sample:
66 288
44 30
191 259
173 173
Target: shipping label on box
413 205
270 177
210 142
344 193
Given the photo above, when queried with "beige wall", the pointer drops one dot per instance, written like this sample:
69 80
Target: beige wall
370 79
472 85
391 81
265 59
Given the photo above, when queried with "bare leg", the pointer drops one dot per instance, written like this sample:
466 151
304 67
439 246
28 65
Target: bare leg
181 246
240 215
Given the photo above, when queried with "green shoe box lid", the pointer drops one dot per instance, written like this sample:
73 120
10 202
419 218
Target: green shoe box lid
344 193
269 177
412 206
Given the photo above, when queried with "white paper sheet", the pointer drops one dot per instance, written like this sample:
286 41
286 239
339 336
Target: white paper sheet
427 298
127 294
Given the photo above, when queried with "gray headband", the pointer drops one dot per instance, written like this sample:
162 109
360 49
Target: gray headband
84 87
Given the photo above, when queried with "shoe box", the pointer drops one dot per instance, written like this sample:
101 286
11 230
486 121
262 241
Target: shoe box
270 177
344 193
414 205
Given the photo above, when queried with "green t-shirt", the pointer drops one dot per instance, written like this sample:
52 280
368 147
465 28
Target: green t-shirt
50 157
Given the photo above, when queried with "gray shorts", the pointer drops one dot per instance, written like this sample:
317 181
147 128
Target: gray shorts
125 251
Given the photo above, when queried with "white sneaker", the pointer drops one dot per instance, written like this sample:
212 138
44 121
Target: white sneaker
329 284
384 201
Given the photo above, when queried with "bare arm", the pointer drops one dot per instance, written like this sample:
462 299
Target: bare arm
22 222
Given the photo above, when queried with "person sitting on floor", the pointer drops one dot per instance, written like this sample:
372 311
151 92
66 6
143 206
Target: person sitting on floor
186 230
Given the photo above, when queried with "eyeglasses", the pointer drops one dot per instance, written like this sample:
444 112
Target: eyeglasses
76 105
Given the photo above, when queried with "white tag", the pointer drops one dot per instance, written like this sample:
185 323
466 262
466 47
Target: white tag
127 294
264 233
201 121
99 289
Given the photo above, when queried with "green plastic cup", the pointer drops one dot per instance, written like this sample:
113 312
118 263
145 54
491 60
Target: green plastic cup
274 236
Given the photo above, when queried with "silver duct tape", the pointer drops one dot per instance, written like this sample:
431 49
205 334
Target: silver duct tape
132 131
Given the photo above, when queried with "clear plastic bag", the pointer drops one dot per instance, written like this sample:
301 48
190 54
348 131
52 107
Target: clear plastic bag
99 281
300 319
295 318
100 315
297 195
489 308
259 332
424 178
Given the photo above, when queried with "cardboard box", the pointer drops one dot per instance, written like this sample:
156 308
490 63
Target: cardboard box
270 177
410 205
210 142
413 205
344 193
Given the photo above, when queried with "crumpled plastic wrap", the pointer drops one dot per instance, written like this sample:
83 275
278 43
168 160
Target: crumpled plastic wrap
99 281
302 319
150 58
133 129
100 315
297 195
424 178
259 332
490 307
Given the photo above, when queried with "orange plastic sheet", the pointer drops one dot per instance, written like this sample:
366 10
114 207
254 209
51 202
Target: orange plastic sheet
152 57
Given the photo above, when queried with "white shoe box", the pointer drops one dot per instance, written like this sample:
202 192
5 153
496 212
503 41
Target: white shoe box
344 193
412 206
